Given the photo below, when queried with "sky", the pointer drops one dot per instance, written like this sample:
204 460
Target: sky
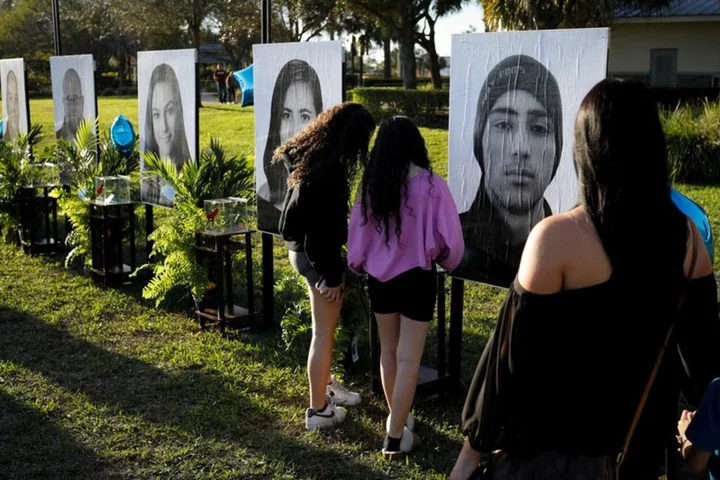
457 23
460 22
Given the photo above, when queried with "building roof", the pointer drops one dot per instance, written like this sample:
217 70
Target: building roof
678 8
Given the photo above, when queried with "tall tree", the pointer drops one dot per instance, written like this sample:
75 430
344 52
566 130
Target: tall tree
303 20
411 22
552 14
238 25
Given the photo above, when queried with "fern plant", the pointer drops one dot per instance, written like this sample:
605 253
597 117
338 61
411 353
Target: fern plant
80 162
216 175
15 159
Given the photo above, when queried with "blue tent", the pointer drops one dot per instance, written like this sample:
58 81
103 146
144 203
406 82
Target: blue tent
698 215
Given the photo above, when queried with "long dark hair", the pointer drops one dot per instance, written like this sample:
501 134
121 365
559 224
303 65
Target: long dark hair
621 158
294 71
398 145
329 149
180 153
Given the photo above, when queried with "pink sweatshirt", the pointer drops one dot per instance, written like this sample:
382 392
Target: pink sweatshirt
431 232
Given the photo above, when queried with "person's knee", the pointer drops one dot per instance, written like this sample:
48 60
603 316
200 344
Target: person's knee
408 355
388 356
323 336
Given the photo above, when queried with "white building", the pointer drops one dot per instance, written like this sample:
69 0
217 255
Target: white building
677 47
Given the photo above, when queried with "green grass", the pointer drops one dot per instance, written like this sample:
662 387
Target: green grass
97 383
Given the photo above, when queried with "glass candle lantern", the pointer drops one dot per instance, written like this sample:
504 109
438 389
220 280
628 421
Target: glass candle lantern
43 175
223 214
112 189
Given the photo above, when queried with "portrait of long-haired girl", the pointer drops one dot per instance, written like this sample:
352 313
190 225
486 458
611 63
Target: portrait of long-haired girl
517 142
296 102
12 125
164 128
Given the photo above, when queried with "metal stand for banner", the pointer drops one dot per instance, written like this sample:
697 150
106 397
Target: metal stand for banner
148 230
268 274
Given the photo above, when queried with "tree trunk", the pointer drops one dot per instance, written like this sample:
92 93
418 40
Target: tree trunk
407 59
122 70
387 70
434 64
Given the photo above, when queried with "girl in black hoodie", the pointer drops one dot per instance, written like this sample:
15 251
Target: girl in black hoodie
322 161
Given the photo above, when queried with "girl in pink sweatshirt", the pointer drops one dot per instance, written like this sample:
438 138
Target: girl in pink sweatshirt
403 222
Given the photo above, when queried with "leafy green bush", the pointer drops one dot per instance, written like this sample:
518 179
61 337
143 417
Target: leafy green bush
693 142
422 106
84 159
216 175
15 159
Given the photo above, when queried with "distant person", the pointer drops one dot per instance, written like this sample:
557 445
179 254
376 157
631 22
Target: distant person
517 142
12 125
232 86
73 105
220 76
403 223
164 128
296 102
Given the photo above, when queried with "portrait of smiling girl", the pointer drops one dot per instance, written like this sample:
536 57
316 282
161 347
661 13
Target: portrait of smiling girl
164 128
296 102
517 142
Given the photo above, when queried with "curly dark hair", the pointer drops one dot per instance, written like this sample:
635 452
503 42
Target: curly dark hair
330 148
398 145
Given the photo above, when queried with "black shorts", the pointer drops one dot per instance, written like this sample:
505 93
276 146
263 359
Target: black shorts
412 294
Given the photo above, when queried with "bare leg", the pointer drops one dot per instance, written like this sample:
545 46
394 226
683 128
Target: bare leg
325 316
389 332
409 353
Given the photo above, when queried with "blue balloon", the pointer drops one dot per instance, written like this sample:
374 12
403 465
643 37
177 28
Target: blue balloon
698 215
245 81
123 135
2 128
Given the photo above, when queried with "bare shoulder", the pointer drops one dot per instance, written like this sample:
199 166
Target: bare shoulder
703 264
552 234
547 251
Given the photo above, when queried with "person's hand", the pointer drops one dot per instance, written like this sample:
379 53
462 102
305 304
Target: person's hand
466 463
331 293
685 419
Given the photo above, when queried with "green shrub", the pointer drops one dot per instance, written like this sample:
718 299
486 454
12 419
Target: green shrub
693 142
216 175
422 106
84 159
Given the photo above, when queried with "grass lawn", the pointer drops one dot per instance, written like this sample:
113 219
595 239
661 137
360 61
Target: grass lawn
97 383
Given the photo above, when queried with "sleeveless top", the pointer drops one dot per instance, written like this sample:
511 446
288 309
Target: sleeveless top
565 371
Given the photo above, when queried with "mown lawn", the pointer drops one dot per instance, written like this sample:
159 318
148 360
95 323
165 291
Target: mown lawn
97 383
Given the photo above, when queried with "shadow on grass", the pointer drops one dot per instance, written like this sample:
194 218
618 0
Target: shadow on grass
193 401
58 455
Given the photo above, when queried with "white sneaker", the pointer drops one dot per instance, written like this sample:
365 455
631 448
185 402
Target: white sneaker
408 442
339 395
328 417
409 423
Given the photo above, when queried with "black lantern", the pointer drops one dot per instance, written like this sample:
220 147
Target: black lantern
112 231
215 249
